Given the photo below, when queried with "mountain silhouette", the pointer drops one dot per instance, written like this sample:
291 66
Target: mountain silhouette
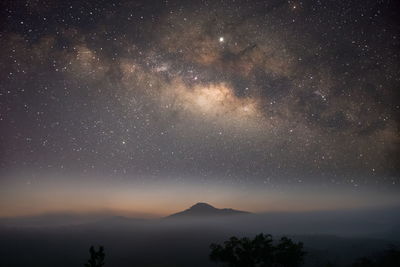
206 210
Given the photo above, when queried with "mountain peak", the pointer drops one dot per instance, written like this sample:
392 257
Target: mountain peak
202 209
202 205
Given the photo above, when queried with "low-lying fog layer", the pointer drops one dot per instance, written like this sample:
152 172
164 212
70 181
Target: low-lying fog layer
63 240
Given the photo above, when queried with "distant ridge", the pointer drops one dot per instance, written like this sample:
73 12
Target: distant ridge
206 210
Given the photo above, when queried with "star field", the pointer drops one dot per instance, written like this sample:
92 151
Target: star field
242 93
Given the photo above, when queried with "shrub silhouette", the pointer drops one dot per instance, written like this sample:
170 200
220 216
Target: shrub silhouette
363 262
96 257
260 252
389 258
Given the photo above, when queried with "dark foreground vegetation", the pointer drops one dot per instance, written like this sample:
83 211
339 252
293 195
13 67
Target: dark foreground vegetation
263 251
96 257
260 251
335 238
387 258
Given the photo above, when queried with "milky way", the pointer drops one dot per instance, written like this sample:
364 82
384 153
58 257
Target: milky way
245 94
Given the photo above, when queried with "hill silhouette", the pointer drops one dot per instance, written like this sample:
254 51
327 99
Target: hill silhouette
206 210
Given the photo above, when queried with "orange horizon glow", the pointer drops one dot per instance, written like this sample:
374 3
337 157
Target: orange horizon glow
161 199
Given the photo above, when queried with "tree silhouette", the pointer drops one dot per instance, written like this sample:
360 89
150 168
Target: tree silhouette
288 253
258 252
96 257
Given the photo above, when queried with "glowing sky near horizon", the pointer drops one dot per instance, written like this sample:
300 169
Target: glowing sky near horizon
142 107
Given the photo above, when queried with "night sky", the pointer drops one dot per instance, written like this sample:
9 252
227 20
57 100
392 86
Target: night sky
148 106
